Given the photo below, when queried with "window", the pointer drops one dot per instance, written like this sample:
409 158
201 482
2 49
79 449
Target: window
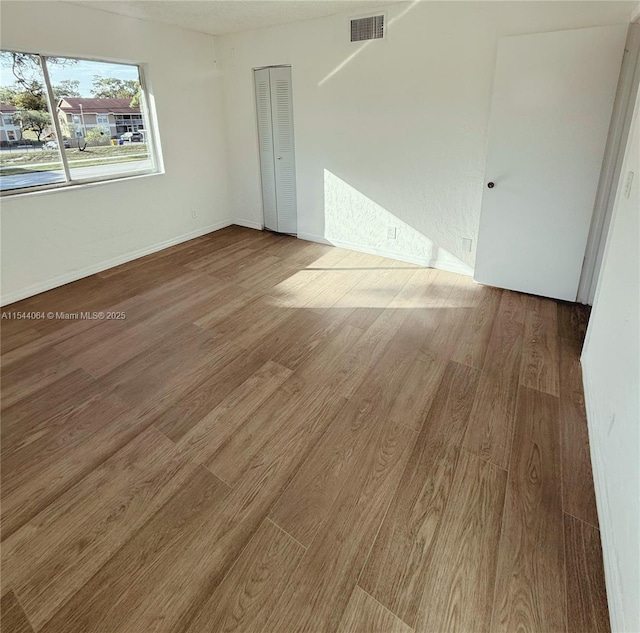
7 120
11 135
76 121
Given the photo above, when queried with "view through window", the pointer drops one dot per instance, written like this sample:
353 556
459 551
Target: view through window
66 120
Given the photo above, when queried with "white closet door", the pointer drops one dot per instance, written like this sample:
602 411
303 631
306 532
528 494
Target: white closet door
265 141
552 100
283 147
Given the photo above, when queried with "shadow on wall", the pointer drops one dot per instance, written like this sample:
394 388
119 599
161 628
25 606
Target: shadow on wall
352 220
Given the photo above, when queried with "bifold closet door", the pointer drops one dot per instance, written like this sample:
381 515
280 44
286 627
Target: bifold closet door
265 141
274 105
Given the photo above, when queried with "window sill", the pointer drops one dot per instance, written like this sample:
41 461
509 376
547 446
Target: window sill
73 185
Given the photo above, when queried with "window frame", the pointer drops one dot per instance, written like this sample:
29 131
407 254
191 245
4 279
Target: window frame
145 115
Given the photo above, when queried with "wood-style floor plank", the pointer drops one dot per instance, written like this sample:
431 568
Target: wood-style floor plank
421 382
530 588
462 565
471 347
540 359
56 553
50 461
16 337
191 407
578 494
31 415
343 365
101 350
191 570
105 602
319 590
247 596
305 333
491 424
396 571
587 609
287 436
26 376
572 320
287 407
365 615
214 429
308 499
173 368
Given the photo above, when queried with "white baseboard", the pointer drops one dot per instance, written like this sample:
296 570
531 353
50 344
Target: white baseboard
250 224
310 237
403 257
61 280
612 577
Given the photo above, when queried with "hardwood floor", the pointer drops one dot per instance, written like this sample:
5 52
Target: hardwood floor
283 436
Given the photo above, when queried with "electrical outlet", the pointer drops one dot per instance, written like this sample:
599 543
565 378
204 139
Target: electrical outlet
391 232
467 244
194 213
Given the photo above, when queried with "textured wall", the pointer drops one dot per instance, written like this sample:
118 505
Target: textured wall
403 121
611 365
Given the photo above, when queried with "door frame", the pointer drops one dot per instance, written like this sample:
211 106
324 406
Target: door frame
623 106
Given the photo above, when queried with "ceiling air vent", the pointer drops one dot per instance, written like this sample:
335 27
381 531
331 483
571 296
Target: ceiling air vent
370 28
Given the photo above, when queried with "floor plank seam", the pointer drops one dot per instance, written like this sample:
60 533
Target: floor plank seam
573 516
216 475
293 538
17 597
413 430
395 615
484 459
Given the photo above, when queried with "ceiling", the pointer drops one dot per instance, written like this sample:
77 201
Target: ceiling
217 17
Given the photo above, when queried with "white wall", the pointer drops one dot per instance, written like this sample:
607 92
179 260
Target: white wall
390 132
54 237
611 366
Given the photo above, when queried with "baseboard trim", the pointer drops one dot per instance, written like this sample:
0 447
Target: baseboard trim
461 269
250 224
612 579
310 237
61 280
75 275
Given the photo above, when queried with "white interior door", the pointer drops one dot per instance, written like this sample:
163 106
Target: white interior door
553 95
277 151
